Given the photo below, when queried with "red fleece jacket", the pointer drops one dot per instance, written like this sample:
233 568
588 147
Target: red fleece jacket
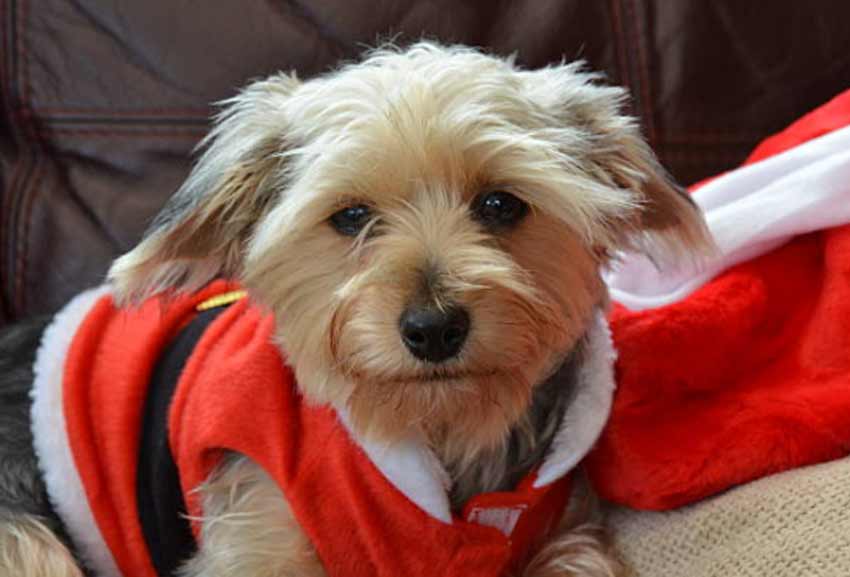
237 394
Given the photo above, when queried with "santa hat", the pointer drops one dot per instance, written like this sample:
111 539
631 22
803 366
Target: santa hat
741 368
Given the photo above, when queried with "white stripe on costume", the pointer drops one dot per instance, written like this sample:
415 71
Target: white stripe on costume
411 467
50 437
589 410
750 211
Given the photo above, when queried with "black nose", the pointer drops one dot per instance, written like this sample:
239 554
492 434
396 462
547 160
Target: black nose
432 334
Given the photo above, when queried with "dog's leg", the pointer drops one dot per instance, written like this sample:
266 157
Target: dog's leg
580 547
29 549
248 528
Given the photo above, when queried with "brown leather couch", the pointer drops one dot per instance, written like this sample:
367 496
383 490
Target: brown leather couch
103 100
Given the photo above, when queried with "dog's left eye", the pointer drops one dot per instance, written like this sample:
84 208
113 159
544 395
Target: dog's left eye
498 209
351 220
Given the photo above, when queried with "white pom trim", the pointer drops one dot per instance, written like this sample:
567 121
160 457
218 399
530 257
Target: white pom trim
412 468
50 437
589 410
750 211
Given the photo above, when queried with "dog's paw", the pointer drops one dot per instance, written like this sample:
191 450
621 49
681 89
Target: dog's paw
579 552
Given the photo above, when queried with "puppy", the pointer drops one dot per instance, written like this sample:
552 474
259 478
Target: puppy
427 229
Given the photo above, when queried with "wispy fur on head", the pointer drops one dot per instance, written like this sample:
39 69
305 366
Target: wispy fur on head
417 134
202 231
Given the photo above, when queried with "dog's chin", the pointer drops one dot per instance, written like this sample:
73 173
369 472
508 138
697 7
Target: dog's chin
479 406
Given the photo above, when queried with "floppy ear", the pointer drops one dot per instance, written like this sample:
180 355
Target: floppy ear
666 224
201 232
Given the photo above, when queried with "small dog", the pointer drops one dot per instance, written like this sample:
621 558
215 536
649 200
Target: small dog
428 227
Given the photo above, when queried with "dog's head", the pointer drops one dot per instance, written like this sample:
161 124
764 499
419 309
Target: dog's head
427 225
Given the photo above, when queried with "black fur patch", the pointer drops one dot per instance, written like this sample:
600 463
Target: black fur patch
22 491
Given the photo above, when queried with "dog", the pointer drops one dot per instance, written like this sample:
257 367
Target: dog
427 228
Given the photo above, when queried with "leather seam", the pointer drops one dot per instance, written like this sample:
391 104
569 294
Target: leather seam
22 242
130 112
636 33
619 44
8 184
166 133
33 179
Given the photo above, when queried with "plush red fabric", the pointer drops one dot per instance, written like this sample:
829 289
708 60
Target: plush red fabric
748 376
236 393
106 375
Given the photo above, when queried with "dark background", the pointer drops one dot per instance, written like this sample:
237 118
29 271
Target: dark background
102 101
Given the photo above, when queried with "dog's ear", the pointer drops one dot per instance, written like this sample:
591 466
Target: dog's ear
201 232
666 224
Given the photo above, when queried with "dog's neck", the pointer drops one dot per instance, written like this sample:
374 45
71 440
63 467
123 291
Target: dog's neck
525 445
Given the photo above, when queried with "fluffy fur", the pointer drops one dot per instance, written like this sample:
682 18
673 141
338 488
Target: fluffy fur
31 544
417 135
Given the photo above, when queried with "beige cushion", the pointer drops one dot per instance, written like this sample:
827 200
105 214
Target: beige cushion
795 524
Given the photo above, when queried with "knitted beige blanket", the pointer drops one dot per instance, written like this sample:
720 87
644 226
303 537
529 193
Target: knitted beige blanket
795 524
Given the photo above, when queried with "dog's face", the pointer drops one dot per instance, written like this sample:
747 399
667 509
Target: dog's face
427 226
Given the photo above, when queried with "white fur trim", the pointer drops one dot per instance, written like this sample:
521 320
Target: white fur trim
412 468
415 471
589 410
50 437
750 211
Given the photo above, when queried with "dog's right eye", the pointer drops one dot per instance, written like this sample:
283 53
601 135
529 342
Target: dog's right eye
351 220
498 209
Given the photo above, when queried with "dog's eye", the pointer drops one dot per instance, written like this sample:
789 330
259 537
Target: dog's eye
498 209
351 220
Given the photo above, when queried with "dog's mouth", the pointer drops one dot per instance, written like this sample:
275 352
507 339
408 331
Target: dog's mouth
436 376
441 375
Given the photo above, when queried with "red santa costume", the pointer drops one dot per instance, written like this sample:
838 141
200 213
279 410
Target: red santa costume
726 374
742 368
370 510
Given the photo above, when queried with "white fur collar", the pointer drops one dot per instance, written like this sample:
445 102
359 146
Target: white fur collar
414 470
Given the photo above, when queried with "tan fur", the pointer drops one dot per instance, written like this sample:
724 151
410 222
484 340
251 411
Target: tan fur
416 135
29 549
248 528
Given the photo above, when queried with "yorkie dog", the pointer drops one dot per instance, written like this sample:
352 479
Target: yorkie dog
426 229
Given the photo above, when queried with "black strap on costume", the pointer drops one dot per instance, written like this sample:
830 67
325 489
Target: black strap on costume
162 510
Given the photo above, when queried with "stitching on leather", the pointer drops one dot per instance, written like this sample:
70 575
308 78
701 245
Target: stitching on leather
23 119
23 50
636 32
95 132
5 195
30 187
619 45
4 42
728 138
22 244
702 155
26 162
200 113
